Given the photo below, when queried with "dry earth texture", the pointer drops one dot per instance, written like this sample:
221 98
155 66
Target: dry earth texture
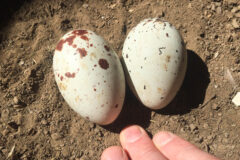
36 122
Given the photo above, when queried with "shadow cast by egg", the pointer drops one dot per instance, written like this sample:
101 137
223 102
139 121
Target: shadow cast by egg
192 92
133 112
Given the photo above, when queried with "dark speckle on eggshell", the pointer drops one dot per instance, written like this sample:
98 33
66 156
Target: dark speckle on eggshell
70 75
82 52
80 32
103 63
107 48
116 106
168 58
85 38
69 40
167 35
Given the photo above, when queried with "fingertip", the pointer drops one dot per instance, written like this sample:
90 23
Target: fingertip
162 138
139 146
114 153
131 134
174 147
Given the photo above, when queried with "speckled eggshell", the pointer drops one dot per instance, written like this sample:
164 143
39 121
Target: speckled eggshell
89 76
155 60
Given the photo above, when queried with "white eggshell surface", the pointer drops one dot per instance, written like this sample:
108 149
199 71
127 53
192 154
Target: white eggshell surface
155 60
89 76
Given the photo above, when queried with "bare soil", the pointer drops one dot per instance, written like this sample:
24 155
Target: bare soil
36 122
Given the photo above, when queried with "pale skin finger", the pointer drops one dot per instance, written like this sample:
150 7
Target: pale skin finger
138 144
176 148
114 153
164 145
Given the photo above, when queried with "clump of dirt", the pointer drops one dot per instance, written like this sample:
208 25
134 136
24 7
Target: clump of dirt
35 121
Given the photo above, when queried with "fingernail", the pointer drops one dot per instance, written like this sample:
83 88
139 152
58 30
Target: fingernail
132 134
163 138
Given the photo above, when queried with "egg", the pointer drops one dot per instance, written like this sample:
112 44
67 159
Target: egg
89 76
155 61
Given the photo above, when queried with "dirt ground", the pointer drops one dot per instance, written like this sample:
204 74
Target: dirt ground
36 122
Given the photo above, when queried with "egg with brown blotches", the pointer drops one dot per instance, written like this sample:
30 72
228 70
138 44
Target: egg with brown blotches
155 62
89 76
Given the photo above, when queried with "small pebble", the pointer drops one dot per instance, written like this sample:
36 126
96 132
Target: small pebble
56 136
193 127
16 100
215 106
235 23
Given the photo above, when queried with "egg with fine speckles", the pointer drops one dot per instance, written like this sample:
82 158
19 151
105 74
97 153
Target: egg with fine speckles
89 76
155 61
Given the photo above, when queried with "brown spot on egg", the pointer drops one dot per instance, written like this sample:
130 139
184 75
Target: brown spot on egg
58 74
168 58
79 32
61 78
104 81
103 63
165 67
95 89
158 20
144 87
87 118
107 48
167 35
126 55
149 20
60 45
74 46
95 65
116 106
70 75
102 105
85 38
69 40
162 97
177 51
159 90
91 45
82 52
62 86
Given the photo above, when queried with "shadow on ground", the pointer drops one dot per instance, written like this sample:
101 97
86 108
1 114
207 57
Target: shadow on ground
193 90
7 9
133 112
